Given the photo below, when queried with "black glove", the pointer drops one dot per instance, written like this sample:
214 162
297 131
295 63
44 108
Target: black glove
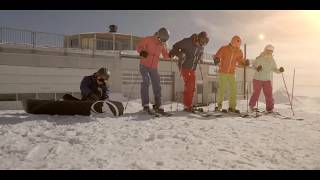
259 68
281 69
144 54
247 62
171 54
216 61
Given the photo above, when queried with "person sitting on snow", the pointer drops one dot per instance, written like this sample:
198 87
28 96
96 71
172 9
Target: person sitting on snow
94 87
229 56
189 52
264 65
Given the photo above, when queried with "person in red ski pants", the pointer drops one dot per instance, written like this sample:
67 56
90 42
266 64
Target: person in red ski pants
189 52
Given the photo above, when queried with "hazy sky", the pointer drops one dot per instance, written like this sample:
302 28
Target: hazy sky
295 34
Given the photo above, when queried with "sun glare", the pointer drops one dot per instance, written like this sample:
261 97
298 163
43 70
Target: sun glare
261 36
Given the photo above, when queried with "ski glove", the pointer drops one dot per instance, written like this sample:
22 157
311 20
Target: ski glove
144 54
281 69
216 61
247 62
259 68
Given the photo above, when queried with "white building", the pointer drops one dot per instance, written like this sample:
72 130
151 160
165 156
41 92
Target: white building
46 66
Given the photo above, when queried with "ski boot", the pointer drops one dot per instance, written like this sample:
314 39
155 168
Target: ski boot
233 110
160 110
189 109
146 109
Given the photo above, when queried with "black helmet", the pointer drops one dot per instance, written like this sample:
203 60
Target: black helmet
104 72
203 38
163 34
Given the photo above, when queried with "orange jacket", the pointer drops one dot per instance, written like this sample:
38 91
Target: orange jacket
229 57
154 48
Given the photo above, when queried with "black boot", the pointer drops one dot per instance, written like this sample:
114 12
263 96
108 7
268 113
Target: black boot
189 109
234 110
146 109
158 109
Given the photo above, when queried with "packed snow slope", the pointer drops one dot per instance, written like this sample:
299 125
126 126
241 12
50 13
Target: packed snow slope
183 141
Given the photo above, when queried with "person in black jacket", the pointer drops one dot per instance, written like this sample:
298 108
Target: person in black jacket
94 87
189 52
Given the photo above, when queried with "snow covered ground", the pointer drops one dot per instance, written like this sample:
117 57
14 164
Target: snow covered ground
182 141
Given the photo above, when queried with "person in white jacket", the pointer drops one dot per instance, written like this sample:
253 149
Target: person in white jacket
264 65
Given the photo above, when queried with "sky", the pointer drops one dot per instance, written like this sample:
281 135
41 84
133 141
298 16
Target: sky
294 34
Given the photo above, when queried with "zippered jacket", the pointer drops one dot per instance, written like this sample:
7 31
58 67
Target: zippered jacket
154 48
229 58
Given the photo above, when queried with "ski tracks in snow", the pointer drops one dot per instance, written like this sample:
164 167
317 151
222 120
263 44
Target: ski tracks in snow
177 142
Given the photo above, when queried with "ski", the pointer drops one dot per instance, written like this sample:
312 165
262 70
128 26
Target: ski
151 113
225 112
207 114
279 115
165 114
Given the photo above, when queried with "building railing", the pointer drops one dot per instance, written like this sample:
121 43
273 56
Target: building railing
30 38
34 39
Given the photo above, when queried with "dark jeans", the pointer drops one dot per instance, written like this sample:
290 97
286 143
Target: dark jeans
147 74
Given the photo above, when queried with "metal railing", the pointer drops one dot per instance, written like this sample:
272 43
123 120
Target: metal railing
30 38
36 39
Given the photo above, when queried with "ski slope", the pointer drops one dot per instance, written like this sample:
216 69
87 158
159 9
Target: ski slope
183 141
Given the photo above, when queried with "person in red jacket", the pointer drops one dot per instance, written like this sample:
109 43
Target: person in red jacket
150 48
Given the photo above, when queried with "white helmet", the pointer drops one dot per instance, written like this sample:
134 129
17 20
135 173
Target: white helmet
269 47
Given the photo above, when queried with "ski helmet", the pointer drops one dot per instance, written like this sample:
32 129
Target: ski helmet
163 34
269 47
203 38
104 72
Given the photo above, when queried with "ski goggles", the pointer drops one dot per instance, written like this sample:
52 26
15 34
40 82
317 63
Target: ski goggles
202 43
101 80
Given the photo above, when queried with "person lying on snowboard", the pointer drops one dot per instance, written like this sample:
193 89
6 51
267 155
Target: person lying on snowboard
94 87
264 65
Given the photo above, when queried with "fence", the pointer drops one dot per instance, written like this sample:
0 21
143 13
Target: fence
30 38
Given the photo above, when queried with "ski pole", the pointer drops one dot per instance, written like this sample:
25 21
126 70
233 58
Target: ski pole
294 73
131 91
173 84
201 72
247 98
287 93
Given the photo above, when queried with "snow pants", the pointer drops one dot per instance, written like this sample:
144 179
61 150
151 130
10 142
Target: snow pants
267 91
147 75
189 78
223 81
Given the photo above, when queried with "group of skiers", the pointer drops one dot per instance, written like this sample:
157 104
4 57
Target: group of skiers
188 53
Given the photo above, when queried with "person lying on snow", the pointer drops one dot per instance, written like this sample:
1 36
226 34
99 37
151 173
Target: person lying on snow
265 65
94 87
189 52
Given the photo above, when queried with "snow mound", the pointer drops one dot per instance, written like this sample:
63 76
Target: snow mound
281 97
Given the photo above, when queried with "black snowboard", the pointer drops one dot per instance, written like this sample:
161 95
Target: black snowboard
72 107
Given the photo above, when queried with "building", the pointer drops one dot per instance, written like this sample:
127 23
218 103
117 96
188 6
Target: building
46 66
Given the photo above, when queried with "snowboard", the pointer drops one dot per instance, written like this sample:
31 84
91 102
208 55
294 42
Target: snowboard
72 106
